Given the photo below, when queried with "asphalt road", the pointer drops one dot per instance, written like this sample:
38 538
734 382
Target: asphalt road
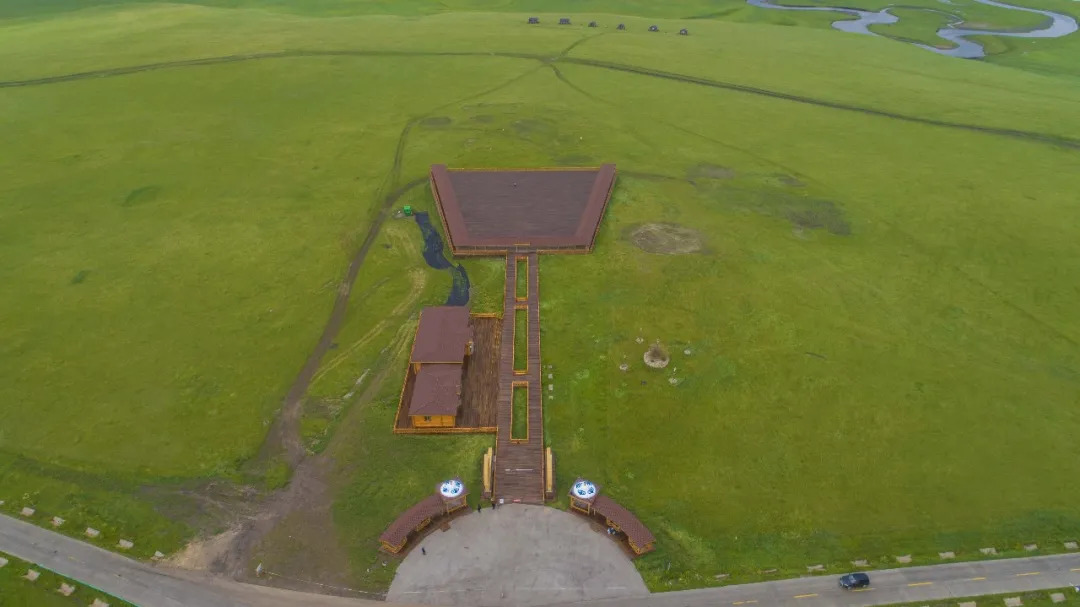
150 586
142 584
909 584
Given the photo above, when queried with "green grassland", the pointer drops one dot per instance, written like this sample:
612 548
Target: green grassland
520 428
874 350
15 591
521 340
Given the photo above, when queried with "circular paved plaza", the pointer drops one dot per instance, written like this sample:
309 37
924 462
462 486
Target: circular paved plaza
515 554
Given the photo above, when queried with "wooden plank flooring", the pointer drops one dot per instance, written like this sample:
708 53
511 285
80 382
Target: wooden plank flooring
519 465
480 388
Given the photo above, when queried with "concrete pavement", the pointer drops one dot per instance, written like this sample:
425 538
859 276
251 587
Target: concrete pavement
516 555
931 582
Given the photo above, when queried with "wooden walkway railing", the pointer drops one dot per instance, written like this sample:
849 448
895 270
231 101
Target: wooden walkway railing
519 464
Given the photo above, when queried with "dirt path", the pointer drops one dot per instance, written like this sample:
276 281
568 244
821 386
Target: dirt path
284 434
308 491
305 502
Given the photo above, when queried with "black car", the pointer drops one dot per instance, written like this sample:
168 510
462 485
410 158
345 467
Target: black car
854 580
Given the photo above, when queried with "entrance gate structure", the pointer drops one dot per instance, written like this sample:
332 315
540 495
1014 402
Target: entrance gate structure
521 214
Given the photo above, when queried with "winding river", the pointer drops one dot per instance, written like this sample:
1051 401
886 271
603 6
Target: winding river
1058 25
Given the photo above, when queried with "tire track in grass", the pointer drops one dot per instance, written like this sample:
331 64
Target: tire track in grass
752 90
1035 136
241 58
417 279
562 78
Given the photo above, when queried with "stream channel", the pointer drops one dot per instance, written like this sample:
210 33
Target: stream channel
1056 25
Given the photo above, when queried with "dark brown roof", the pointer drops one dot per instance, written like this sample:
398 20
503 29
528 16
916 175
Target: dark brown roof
399 530
630 525
442 335
437 390
542 208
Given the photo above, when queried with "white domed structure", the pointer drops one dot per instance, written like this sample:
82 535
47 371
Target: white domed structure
452 488
584 489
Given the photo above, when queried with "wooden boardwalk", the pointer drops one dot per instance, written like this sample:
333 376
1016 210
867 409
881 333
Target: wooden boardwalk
519 464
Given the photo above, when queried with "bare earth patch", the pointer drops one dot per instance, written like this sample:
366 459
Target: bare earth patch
200 554
665 239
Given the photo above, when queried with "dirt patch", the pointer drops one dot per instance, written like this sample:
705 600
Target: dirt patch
665 239
657 356
528 127
302 553
804 213
709 171
201 553
815 214
435 121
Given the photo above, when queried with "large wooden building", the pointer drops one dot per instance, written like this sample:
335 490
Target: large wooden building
494 211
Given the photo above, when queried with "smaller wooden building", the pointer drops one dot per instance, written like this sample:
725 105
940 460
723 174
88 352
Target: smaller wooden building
449 497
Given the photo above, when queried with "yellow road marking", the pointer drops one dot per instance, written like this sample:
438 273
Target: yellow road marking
745 602
805 596
976 579
920 583
1023 574
1077 569
861 589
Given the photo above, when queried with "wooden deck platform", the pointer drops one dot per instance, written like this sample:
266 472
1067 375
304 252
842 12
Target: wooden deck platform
519 464
480 390
498 211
